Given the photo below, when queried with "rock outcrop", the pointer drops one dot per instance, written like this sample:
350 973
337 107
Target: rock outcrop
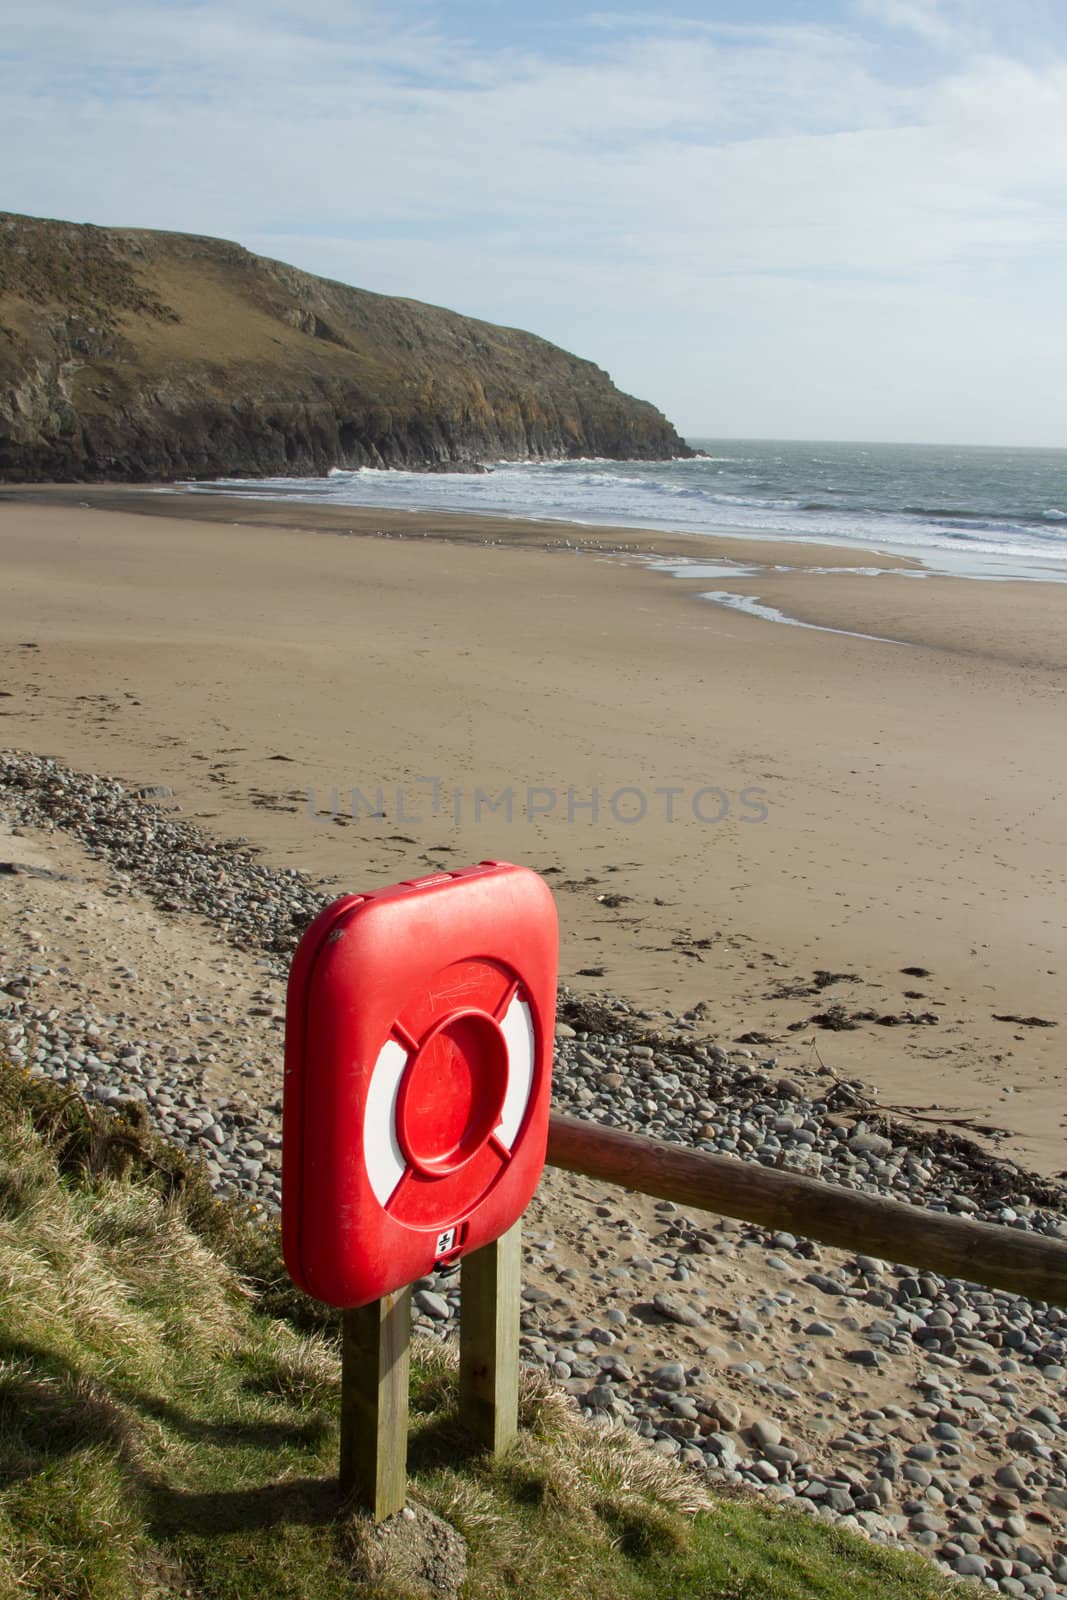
130 355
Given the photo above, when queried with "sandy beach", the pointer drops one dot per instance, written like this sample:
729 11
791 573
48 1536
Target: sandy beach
772 803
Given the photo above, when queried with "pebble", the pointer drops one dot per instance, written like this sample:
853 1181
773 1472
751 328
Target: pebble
671 1375
675 1310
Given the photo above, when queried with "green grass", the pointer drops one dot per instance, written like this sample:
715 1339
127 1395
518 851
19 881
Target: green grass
168 1423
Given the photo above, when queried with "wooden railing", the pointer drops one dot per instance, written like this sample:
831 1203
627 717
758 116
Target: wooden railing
1024 1263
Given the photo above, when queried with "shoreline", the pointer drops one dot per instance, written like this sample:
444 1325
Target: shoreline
873 595
910 794
466 527
833 552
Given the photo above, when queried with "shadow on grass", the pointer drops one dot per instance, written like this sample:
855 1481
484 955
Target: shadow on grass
43 1421
310 1502
305 1502
441 1442
252 1435
50 1412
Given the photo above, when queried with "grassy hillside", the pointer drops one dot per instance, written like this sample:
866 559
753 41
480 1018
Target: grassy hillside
164 1432
130 354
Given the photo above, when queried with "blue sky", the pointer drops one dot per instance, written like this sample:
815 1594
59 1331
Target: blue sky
845 220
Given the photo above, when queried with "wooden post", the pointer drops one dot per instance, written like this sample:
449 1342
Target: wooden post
981 1252
375 1342
489 1340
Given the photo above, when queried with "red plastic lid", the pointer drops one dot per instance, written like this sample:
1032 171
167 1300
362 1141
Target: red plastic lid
418 1069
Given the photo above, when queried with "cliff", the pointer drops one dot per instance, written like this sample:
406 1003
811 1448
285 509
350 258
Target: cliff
132 355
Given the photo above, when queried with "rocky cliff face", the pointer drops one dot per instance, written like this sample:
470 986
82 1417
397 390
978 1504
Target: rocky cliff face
132 356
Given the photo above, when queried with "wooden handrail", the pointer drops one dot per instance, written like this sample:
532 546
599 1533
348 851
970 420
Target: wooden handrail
1024 1263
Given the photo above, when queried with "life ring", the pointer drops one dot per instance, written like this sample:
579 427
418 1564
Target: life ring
403 1136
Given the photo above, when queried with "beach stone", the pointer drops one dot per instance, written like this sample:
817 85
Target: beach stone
675 1310
970 1566
870 1144
724 1452
1045 1414
726 1412
828 1285
434 1305
671 1375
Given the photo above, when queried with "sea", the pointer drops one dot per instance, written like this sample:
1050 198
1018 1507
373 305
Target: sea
976 512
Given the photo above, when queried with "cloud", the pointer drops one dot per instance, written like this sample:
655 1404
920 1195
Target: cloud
663 172
926 18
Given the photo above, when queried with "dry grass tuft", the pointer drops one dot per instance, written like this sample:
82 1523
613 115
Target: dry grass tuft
566 1490
27 1172
113 1271
301 1370
611 1455
146 1242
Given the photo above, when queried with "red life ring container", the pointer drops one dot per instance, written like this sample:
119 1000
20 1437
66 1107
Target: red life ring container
419 1033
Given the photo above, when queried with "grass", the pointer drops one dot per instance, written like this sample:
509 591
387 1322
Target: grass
168 1423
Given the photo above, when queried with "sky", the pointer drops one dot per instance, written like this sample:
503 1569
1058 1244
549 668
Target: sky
843 220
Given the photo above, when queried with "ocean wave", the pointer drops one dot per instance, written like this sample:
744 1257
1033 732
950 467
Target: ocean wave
985 516
958 513
983 513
